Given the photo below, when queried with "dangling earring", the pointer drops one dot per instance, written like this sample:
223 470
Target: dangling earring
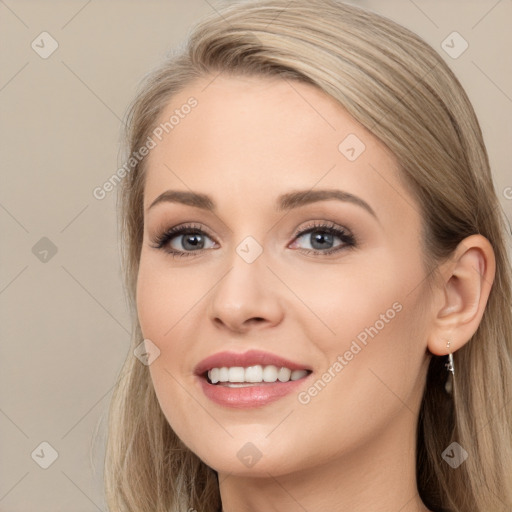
450 368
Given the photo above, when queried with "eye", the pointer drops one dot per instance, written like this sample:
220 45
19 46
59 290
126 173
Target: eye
182 240
321 238
185 240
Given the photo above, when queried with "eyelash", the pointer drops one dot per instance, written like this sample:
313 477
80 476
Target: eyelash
349 240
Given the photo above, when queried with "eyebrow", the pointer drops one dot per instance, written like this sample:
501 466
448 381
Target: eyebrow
285 202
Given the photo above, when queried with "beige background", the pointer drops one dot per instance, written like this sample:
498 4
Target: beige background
64 322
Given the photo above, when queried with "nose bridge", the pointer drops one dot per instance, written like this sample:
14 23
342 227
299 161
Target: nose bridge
245 292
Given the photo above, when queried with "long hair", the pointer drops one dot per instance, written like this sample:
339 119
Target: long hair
400 89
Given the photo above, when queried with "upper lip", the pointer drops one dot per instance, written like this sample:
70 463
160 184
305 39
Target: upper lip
245 359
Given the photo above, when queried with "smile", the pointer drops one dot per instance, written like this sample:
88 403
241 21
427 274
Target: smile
249 379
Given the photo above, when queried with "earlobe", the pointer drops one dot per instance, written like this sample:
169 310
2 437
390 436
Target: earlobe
463 294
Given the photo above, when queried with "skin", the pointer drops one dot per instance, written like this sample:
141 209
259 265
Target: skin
248 141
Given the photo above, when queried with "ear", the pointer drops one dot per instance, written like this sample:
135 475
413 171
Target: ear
462 294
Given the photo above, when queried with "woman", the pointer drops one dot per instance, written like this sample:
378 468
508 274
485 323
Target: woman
316 263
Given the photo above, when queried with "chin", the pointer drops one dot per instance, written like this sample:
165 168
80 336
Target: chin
257 458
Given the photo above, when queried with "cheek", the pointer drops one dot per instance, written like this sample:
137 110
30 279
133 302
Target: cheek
359 298
373 369
373 318
164 296
165 305
169 311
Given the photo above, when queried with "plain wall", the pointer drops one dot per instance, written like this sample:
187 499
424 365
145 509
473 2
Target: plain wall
64 320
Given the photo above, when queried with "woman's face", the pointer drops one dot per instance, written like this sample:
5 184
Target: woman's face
331 282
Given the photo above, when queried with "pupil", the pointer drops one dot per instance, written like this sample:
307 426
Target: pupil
193 241
324 237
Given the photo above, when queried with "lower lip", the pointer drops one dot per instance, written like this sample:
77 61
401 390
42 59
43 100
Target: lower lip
249 396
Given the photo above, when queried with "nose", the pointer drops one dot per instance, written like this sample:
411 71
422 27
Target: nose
246 298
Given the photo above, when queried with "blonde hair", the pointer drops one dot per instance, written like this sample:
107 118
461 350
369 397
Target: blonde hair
400 89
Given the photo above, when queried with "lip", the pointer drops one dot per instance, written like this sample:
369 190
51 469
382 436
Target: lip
250 396
245 359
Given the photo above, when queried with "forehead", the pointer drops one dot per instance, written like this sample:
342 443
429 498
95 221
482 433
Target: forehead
249 139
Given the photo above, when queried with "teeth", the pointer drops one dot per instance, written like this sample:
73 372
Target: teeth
257 373
298 374
253 374
223 374
284 374
236 374
270 373
214 375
